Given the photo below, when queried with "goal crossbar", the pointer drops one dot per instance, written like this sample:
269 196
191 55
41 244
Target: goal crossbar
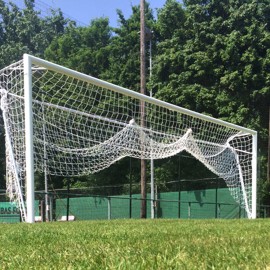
137 95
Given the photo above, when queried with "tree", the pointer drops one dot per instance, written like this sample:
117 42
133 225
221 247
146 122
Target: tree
124 58
114 57
222 48
24 31
170 20
217 62
84 49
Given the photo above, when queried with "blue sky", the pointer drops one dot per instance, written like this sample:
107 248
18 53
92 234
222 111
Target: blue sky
86 10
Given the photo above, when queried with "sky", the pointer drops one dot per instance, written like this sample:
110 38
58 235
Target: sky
84 11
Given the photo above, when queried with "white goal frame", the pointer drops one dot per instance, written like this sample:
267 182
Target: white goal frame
29 61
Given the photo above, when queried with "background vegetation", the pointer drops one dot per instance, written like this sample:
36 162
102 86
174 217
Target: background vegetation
209 56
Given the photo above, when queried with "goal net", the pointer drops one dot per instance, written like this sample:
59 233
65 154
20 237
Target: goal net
70 124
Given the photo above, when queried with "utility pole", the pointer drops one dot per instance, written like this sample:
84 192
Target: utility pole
148 38
268 166
142 109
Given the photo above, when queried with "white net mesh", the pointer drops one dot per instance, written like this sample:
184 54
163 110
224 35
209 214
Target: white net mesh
81 127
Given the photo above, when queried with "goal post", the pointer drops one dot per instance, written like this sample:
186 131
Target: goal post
82 125
253 213
29 152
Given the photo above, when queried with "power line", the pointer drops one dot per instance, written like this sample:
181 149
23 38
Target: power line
44 9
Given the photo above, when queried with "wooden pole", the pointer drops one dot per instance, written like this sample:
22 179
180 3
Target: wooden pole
268 166
143 91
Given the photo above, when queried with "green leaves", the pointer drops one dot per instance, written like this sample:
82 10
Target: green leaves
83 48
170 19
208 56
24 31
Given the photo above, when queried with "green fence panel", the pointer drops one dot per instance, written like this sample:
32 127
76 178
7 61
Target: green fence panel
10 213
201 204
83 208
197 204
136 206
228 207
120 207
168 205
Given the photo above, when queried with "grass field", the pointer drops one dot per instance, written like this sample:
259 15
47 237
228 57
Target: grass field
137 244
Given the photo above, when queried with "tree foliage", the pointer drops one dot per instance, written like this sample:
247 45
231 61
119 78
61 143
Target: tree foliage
124 57
24 31
209 56
84 49
217 62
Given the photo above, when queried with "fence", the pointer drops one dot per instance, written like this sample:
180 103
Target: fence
207 203
197 204
167 205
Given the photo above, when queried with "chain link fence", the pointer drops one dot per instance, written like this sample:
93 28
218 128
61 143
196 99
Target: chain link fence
174 200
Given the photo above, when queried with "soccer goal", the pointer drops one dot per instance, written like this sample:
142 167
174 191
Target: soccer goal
69 124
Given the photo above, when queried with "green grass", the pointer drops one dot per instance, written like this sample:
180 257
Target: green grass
137 244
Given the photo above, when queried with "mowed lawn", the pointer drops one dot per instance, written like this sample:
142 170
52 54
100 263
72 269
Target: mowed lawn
137 244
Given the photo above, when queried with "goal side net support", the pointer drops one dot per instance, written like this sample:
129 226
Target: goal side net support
66 123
